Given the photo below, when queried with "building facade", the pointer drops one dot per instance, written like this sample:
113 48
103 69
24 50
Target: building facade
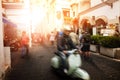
102 14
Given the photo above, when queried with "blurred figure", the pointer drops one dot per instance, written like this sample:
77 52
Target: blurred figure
85 44
81 41
81 35
24 44
48 36
52 38
65 43
74 37
116 33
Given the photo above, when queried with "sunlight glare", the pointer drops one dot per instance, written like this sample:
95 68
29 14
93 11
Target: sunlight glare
37 15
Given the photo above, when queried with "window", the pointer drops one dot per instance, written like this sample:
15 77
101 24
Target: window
66 13
73 14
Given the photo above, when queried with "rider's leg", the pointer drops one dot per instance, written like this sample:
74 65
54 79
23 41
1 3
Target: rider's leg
63 60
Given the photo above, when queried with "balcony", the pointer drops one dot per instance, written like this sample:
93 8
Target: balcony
12 1
13 5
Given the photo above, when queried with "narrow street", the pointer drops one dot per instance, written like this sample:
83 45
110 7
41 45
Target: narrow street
37 66
35 21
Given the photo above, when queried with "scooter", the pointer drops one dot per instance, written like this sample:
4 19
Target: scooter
73 63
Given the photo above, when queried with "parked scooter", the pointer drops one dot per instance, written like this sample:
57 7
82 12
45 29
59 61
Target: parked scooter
15 44
73 65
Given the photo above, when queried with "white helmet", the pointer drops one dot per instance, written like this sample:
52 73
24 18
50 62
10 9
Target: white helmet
67 28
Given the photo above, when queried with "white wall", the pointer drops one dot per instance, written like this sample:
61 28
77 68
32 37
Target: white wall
83 5
1 44
110 13
95 2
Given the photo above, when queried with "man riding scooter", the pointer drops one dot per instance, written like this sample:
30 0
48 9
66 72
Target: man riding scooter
67 60
65 43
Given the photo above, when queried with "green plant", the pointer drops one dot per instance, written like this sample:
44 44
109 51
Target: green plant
110 41
106 41
95 39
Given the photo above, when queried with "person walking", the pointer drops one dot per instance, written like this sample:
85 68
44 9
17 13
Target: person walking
52 38
116 33
85 44
24 44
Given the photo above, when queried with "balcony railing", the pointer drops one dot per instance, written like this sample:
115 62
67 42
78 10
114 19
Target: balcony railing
12 1
12 5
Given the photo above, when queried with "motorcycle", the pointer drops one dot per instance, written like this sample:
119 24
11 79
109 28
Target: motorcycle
73 65
15 45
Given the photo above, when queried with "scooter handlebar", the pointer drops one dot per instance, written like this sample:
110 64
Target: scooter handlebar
72 51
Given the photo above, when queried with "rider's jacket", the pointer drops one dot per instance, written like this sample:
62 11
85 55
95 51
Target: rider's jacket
65 43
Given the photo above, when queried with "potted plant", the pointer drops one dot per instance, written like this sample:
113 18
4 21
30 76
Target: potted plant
110 46
95 43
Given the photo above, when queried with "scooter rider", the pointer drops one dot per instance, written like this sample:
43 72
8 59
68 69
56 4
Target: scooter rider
65 43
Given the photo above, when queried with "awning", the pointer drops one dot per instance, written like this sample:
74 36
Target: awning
5 20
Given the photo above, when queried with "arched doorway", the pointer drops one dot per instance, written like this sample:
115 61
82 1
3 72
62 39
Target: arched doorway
100 24
86 26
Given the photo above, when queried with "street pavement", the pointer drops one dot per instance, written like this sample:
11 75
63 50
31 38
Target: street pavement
37 66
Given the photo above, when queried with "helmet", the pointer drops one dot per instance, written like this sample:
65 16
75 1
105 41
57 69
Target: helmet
67 28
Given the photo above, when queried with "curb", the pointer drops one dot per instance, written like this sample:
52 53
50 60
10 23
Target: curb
103 56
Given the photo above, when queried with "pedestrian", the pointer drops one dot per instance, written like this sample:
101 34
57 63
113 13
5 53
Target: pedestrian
52 38
81 40
80 36
74 37
24 44
116 33
48 36
85 44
